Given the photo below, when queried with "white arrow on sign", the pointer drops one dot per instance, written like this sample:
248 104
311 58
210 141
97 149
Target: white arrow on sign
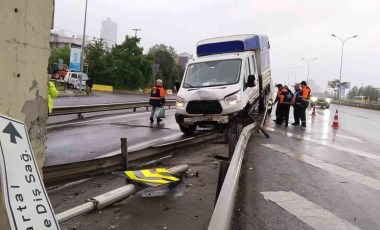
25 197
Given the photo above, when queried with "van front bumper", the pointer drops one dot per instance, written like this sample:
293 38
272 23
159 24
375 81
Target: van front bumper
206 119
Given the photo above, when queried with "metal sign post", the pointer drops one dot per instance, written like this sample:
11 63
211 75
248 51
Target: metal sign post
155 68
25 197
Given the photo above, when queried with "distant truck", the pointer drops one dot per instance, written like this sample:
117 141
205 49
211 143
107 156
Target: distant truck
71 80
230 76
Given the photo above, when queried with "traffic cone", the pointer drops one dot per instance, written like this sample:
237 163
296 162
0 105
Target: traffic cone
313 113
335 122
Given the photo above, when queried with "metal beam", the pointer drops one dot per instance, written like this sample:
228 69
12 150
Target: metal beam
65 110
222 215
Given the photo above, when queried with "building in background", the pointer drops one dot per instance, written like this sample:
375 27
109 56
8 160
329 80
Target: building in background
184 59
58 41
109 32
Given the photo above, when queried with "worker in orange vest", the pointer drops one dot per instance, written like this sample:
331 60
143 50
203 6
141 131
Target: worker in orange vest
281 107
157 98
305 92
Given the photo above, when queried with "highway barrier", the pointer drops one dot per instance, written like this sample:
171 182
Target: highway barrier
357 104
107 88
70 172
79 109
223 211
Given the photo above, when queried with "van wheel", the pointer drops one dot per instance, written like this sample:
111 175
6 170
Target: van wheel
188 131
327 106
71 86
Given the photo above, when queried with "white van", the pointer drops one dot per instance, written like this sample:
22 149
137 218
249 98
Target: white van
72 80
230 75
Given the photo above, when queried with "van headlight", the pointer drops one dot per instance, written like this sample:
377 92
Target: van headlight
314 99
328 100
180 102
233 99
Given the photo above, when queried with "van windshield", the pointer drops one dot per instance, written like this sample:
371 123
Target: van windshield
213 73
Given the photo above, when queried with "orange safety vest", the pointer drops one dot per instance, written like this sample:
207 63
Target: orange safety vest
306 91
282 94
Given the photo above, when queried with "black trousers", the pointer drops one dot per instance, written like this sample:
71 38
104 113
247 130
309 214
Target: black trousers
297 110
285 113
305 104
282 113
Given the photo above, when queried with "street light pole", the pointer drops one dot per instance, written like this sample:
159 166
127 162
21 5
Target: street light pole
308 67
82 50
341 59
295 72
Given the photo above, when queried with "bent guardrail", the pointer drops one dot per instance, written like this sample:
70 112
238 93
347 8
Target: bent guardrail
70 172
222 215
79 109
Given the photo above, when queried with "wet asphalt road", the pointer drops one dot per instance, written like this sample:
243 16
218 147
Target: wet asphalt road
100 135
313 178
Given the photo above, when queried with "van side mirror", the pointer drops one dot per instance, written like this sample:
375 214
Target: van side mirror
177 85
251 81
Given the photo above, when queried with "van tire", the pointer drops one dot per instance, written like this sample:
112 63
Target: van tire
188 131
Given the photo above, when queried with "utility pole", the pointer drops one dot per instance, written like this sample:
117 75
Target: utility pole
136 30
83 43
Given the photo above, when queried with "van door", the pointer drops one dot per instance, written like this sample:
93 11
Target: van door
254 92
74 79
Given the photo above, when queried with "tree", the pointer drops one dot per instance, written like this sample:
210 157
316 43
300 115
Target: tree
98 58
353 92
127 64
162 47
169 71
59 53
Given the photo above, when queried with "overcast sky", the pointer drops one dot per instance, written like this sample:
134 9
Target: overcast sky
296 29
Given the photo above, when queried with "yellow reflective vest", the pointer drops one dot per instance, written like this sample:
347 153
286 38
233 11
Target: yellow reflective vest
52 93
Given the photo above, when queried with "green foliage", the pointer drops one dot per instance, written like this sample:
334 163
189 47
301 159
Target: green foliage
367 91
169 71
60 53
164 48
126 67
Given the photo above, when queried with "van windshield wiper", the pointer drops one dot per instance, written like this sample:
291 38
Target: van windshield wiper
188 85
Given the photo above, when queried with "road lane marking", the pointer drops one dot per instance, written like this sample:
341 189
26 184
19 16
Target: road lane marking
308 212
345 173
331 145
168 113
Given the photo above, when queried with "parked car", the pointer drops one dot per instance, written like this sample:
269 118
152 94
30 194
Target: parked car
320 99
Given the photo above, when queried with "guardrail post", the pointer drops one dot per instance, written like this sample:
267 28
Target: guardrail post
134 109
124 152
223 168
147 108
231 146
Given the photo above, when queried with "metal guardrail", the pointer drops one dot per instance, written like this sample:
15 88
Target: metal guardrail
70 172
222 215
79 109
